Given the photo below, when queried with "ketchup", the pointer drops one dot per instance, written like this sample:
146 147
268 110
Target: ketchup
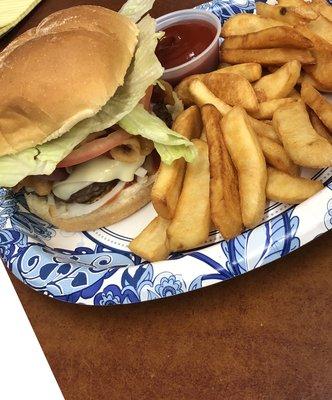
184 41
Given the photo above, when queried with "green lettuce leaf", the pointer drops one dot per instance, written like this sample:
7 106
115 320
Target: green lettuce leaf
43 159
169 144
135 9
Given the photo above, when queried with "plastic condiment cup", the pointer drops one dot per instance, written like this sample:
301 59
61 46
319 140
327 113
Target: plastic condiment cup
208 60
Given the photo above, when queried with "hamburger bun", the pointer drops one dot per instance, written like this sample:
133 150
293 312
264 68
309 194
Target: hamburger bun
49 63
126 203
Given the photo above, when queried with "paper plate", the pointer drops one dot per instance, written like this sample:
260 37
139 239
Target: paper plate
96 268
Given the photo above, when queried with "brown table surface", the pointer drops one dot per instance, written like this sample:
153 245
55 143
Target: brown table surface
264 335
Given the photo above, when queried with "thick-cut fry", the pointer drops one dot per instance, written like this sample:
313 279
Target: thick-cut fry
152 243
294 94
322 27
191 223
278 84
167 186
300 6
245 150
318 125
278 36
289 15
322 71
314 83
276 156
318 42
267 108
251 71
232 88
277 56
302 143
224 187
321 106
288 189
323 8
202 95
241 24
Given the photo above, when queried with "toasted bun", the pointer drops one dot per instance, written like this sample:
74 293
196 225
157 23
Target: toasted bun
60 73
127 203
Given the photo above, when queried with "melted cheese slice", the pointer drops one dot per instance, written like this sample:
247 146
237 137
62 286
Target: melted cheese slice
101 169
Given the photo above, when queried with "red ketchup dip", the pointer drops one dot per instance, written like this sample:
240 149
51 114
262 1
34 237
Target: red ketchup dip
183 42
190 44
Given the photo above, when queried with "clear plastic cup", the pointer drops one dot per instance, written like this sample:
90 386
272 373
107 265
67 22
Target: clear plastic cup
208 60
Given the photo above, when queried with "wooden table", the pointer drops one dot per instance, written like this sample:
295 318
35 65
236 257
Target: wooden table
264 335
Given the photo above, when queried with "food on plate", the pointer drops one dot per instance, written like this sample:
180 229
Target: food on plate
278 84
302 143
247 156
289 15
242 24
168 184
232 88
321 72
224 188
267 108
319 127
288 189
321 106
152 243
276 56
191 224
81 125
277 36
276 156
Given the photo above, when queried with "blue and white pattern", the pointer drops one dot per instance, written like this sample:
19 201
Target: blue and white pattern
97 268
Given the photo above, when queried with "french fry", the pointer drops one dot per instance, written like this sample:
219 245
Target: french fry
294 94
322 27
289 15
202 95
152 243
224 187
288 189
322 71
300 6
318 125
267 108
321 106
168 184
242 24
278 84
247 156
314 83
232 88
277 157
323 8
319 43
278 36
302 143
277 56
251 71
191 223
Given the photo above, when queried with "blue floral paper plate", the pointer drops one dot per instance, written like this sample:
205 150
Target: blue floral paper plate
97 268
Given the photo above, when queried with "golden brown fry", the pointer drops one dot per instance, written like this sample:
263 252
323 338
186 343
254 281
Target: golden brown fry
322 27
278 84
242 24
288 189
322 71
168 184
277 56
314 83
152 243
289 15
245 150
191 223
321 106
301 8
322 7
277 157
278 36
232 88
202 95
302 143
294 94
318 42
267 108
251 71
224 187
318 125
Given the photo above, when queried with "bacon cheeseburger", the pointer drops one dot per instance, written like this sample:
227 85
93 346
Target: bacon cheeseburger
76 133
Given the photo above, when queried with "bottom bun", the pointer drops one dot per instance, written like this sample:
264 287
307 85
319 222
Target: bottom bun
126 203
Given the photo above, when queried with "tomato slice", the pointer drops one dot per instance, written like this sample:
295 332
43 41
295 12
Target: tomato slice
94 149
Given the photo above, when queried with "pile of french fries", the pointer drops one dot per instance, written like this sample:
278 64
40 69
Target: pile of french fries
255 122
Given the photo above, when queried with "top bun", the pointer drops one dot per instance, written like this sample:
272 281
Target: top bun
60 73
